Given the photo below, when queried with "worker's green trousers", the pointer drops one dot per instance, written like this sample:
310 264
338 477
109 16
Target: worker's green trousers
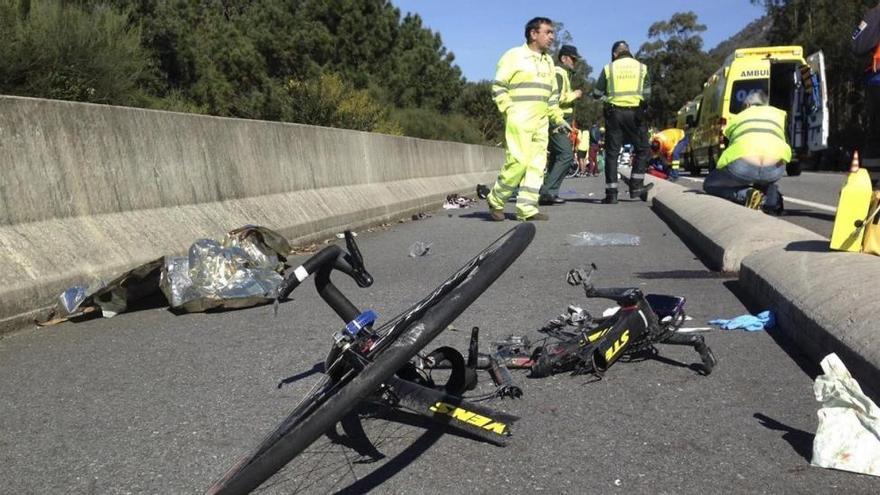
524 165
561 157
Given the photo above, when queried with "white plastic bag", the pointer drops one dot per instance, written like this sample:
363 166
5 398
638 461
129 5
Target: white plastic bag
848 436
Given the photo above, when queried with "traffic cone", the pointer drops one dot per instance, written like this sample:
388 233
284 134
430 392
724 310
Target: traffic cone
852 209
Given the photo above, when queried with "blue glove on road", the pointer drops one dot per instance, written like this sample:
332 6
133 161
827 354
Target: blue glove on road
762 321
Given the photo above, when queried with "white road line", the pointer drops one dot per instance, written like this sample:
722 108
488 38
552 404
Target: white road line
789 199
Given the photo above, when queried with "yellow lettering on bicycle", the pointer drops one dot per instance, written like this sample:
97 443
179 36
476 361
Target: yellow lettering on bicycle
617 346
469 417
499 428
461 415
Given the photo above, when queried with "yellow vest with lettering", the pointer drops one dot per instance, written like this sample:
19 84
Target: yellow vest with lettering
625 82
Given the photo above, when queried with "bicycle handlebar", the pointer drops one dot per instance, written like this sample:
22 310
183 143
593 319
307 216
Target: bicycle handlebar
322 265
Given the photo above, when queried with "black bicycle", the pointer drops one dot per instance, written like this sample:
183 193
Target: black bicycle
363 361
581 344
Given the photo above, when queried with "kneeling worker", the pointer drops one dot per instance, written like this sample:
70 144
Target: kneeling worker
755 157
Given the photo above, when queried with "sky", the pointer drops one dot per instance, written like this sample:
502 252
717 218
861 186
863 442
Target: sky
478 32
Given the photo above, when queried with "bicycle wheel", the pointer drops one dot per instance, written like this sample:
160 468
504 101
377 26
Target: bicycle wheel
403 337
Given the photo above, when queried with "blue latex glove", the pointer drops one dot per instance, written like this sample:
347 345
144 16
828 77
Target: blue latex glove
761 321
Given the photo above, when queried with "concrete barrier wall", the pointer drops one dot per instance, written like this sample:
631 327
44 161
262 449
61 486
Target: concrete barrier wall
90 190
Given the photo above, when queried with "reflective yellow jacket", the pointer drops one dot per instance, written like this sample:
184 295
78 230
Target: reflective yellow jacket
566 95
625 82
756 131
525 88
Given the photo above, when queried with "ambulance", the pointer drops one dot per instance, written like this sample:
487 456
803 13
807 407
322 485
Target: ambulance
793 83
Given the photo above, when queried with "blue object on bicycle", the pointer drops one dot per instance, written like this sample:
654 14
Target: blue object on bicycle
763 320
368 317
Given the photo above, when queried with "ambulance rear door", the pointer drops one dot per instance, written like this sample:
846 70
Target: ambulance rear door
814 101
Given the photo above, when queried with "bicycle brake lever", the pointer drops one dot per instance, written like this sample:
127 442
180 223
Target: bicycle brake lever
356 260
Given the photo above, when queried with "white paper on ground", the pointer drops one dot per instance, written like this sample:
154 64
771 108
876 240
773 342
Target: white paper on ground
848 435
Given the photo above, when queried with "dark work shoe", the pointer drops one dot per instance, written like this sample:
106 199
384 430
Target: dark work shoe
536 217
497 215
640 192
545 201
610 199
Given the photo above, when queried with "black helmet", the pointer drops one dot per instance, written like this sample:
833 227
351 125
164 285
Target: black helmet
569 50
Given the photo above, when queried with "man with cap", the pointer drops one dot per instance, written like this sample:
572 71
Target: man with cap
561 153
624 86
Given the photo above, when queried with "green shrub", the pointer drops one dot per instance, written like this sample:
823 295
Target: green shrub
65 51
330 101
430 124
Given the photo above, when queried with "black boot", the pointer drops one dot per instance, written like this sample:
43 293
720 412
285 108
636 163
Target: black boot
610 197
638 189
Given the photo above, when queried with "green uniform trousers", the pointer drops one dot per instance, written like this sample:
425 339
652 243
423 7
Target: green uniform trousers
561 157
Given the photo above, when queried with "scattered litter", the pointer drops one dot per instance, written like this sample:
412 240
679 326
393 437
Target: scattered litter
848 435
419 248
341 235
242 270
762 321
597 239
617 482
590 195
420 216
483 191
454 201
695 329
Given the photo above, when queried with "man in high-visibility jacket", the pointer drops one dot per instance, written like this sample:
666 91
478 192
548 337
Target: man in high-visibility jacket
523 90
662 163
624 85
866 41
561 155
755 157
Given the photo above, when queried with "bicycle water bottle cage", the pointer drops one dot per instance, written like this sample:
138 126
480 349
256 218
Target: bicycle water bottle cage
354 327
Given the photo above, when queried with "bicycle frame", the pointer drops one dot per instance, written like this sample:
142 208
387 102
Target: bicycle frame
445 408
641 322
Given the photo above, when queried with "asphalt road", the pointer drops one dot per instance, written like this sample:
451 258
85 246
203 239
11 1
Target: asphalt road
810 198
151 402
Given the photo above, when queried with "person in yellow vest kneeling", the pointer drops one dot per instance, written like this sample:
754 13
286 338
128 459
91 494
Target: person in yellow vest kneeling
755 157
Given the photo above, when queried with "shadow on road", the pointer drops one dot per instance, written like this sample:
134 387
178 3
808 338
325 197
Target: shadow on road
809 213
685 274
808 246
800 440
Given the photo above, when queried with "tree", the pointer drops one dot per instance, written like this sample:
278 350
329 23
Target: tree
677 65
827 25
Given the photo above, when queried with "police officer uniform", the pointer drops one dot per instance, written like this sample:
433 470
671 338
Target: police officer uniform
624 85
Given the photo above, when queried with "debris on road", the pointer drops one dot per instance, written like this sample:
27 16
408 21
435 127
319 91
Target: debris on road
242 270
483 191
454 202
752 323
418 249
598 239
848 435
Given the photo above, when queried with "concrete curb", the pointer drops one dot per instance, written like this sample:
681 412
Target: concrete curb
720 231
824 301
